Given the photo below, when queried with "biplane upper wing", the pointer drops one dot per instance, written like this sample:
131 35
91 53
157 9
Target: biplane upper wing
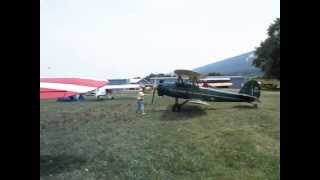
57 87
190 74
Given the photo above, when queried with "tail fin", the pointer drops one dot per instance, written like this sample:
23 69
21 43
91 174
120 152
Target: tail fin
251 88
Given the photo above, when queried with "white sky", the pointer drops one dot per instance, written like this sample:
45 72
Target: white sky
127 38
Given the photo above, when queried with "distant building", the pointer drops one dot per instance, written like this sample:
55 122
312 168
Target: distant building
121 85
237 81
216 81
226 81
118 81
141 82
156 80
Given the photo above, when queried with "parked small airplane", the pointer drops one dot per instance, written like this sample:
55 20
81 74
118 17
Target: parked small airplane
108 89
186 87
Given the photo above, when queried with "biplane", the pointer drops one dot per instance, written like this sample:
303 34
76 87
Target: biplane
186 87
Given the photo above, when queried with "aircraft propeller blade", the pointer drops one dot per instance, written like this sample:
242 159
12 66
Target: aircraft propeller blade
154 91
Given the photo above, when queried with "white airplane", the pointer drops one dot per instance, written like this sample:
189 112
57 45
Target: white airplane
107 90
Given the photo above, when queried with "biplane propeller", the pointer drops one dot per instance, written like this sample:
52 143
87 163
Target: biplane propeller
186 87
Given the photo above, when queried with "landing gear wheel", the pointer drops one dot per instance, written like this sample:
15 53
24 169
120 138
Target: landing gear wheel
255 105
176 108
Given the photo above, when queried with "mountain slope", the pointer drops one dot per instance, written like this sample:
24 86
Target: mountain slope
238 65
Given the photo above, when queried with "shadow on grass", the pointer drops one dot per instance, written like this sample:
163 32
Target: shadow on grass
187 112
124 98
104 99
56 164
245 106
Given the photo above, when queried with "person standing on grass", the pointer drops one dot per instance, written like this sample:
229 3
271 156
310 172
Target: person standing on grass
140 102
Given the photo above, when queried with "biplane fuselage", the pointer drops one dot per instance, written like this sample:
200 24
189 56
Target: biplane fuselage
192 92
188 90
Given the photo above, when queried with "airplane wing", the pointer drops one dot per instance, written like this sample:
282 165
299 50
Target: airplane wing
123 86
102 91
57 87
190 74
199 102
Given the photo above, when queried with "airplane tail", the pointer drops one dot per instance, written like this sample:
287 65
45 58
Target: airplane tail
251 88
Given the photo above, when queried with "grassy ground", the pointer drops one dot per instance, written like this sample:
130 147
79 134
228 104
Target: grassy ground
108 140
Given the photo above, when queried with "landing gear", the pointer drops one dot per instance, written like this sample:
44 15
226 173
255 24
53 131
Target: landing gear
177 107
255 105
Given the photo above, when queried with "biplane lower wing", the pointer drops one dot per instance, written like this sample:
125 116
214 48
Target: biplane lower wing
199 102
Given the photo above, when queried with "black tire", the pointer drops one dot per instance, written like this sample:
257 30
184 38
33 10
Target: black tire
174 108
178 108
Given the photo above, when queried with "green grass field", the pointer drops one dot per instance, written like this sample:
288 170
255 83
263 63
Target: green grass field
108 140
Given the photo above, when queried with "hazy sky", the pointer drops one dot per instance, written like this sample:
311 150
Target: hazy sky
126 38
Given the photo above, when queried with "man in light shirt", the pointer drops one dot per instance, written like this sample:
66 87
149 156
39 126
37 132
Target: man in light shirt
140 102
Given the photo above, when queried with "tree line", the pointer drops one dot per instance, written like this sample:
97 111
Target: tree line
267 55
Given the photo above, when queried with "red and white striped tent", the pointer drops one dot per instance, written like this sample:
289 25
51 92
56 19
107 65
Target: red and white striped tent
58 87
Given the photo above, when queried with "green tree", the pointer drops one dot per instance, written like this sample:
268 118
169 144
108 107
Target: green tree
268 53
